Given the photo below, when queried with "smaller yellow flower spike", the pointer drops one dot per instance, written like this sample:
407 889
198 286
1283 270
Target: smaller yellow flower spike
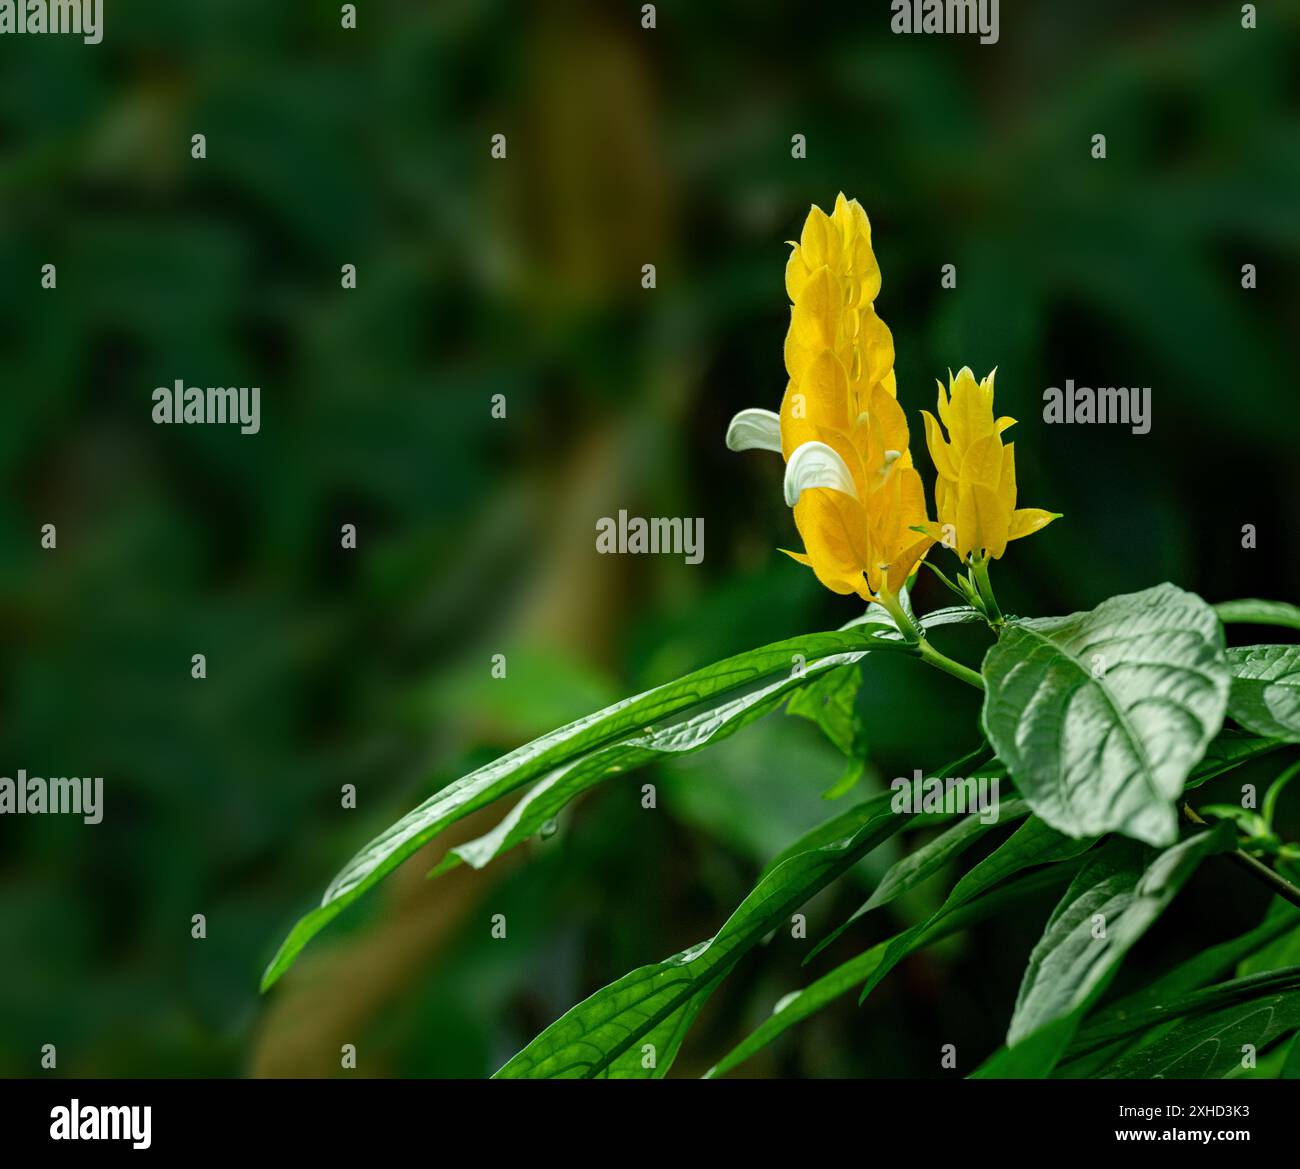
856 496
975 495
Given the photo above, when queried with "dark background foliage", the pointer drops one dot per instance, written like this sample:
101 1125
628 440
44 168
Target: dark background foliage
522 277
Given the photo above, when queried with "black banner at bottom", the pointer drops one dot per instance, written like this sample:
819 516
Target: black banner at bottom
364 1117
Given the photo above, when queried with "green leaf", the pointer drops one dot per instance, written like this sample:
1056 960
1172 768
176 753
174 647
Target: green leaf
1248 823
1252 612
1033 843
1144 1025
1229 750
952 615
1110 904
680 716
1100 716
1265 696
1207 1044
1291 1065
882 621
919 864
831 702
840 827
1279 952
607 1035
550 795
1173 986
922 862
849 778
802 1004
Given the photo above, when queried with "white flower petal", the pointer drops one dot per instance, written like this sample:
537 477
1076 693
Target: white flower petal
755 430
814 464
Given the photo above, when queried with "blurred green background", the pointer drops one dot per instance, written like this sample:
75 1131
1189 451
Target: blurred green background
522 277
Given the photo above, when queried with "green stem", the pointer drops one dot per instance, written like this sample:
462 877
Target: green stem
1275 790
952 588
895 609
1278 883
980 571
948 666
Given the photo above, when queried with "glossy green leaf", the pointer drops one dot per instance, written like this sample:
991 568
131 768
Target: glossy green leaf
952 615
1197 972
831 702
1033 843
840 827
1279 952
680 716
1229 750
1291 1065
802 1004
1117 895
1101 716
930 857
927 859
633 1027
1265 695
1208 1044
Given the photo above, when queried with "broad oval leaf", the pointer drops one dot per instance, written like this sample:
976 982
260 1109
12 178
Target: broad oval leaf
1265 696
1101 716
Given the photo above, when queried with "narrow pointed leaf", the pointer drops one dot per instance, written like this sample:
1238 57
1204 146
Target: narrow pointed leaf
1033 843
1110 905
1209 1045
1196 973
640 1018
679 716
925 860
802 1004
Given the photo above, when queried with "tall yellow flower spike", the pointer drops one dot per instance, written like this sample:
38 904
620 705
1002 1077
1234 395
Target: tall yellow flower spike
975 495
849 476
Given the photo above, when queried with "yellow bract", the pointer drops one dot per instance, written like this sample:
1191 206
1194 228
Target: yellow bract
849 475
858 501
840 359
975 495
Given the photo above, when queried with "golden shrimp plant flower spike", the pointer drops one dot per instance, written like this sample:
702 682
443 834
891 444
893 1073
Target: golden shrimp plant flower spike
857 499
